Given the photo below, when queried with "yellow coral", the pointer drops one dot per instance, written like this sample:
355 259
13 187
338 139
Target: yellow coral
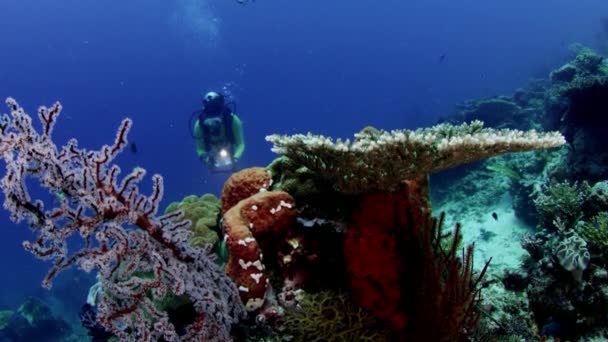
330 316
204 213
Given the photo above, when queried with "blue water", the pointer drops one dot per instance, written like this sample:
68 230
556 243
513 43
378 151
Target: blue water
330 67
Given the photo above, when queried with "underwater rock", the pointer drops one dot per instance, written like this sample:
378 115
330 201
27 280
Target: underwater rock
495 112
34 321
515 280
564 74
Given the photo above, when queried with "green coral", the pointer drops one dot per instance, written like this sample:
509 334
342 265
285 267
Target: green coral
295 179
560 204
331 316
596 232
506 169
381 160
204 213
5 316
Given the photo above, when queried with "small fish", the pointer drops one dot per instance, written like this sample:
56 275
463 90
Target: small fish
495 216
442 57
133 148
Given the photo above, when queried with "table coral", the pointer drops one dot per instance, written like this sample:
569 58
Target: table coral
380 160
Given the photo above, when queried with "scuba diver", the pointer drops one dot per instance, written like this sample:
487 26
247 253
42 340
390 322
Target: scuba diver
218 134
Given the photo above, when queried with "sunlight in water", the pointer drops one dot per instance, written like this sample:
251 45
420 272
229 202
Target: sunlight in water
196 22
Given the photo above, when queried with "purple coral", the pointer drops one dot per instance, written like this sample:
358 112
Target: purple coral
140 256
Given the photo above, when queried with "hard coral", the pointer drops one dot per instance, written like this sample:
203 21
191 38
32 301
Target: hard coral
382 161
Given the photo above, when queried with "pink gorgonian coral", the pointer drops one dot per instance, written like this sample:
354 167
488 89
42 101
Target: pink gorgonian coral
141 257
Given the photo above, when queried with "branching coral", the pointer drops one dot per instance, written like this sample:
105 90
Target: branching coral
380 160
560 204
596 232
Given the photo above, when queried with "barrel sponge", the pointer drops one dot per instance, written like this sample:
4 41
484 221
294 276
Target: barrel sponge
382 160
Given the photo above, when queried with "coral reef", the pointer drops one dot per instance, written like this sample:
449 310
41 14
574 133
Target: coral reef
576 303
334 240
497 112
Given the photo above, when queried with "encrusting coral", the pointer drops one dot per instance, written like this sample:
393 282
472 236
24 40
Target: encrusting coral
381 160
204 213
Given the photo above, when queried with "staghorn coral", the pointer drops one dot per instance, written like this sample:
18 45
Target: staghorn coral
331 316
204 213
381 161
